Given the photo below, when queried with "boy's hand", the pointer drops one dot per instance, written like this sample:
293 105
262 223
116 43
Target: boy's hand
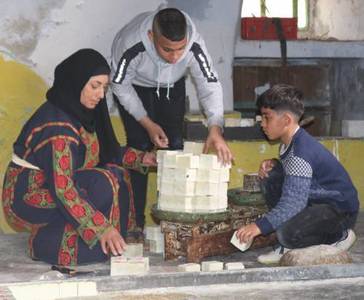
248 232
155 132
265 167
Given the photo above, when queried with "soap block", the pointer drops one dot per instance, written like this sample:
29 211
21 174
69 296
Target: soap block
209 161
168 174
120 265
234 266
210 266
153 232
193 147
170 159
133 250
206 188
184 188
156 246
222 189
175 203
161 153
206 175
205 203
167 187
187 160
241 246
232 122
185 174
190 267
224 175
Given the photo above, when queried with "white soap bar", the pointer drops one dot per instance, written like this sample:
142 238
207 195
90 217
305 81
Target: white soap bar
224 174
185 174
167 187
183 188
234 266
175 203
209 161
190 267
232 122
168 174
156 246
205 203
153 232
206 175
222 189
133 250
187 160
206 188
161 153
193 147
241 246
208 266
120 265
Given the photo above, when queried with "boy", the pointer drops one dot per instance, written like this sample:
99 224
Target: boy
310 196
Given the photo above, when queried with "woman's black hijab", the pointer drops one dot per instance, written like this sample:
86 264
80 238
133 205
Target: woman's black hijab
70 77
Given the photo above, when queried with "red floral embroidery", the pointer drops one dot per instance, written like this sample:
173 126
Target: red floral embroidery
91 164
78 211
130 157
72 241
48 198
98 219
64 162
70 194
39 178
88 234
65 258
35 199
59 145
61 181
94 148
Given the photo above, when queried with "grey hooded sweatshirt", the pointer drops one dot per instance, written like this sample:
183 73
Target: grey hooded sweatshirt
134 60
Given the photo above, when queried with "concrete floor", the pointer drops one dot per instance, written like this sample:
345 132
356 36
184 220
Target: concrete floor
17 271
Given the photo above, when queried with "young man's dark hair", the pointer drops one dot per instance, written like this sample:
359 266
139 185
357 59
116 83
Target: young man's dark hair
282 97
171 23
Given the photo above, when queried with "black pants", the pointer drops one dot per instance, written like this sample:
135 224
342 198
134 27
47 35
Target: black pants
167 113
318 223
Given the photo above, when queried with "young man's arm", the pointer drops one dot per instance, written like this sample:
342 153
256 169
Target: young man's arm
209 92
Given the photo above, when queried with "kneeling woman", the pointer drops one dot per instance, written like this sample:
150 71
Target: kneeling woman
65 183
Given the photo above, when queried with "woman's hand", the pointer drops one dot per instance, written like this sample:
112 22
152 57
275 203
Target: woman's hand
112 241
265 167
149 159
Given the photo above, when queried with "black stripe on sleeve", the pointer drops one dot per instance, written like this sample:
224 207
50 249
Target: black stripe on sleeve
203 63
125 61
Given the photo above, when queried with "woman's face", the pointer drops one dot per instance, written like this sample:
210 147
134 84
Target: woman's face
94 90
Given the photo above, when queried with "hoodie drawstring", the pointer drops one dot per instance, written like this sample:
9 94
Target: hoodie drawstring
158 79
168 79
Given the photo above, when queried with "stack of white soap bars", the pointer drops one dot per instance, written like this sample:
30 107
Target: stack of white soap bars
189 181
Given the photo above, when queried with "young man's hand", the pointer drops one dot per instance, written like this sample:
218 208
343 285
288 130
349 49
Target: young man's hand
155 132
248 232
112 241
216 141
266 166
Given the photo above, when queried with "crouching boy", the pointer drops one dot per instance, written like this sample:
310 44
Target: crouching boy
310 196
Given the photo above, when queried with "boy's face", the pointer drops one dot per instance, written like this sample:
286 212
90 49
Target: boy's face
274 124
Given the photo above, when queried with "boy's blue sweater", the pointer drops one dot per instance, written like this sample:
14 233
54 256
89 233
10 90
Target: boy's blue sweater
311 175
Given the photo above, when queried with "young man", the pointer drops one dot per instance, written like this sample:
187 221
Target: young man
310 195
150 58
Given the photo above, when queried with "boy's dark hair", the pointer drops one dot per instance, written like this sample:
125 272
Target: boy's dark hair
282 97
171 23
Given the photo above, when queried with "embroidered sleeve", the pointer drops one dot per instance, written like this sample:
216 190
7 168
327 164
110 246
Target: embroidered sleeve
133 159
90 223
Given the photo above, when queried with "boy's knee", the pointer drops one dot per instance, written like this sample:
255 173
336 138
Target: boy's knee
289 237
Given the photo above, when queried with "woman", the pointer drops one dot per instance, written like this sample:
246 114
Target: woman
65 183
